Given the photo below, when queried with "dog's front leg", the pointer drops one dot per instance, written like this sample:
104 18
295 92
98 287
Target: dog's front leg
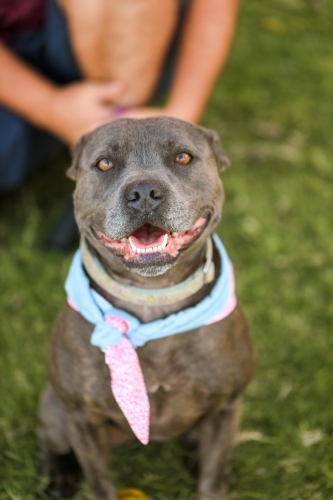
90 438
217 432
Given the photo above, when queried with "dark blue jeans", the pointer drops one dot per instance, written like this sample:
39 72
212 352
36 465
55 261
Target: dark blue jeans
23 147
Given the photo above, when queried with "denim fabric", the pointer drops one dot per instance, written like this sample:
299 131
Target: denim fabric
23 147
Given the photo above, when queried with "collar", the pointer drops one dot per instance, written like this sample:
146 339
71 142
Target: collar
152 297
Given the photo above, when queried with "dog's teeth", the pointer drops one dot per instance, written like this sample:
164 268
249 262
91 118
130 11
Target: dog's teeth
164 242
123 240
174 234
132 245
150 249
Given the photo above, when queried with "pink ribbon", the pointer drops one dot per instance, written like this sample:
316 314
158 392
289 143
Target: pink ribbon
127 382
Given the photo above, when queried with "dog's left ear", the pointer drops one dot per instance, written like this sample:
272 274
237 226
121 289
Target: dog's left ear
214 141
76 154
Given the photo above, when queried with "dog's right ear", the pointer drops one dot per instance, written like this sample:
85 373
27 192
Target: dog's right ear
213 139
76 155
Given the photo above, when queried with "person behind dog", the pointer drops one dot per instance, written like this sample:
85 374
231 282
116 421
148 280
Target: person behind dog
70 66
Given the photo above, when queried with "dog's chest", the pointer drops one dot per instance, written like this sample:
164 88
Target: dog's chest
182 381
181 384
169 367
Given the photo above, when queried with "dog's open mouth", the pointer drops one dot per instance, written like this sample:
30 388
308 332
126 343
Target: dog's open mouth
149 239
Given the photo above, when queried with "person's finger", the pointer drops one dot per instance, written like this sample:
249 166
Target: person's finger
108 92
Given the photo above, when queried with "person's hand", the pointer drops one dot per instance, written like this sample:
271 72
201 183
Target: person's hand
78 108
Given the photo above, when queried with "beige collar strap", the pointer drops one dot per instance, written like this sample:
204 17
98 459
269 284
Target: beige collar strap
141 296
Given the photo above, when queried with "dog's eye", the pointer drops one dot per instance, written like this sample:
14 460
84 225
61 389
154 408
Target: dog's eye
183 158
105 164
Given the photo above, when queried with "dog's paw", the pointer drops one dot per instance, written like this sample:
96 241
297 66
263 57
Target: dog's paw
221 494
64 475
215 496
64 487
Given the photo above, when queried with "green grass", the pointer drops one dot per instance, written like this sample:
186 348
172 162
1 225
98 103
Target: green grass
273 107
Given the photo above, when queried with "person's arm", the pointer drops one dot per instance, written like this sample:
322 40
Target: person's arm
208 31
207 34
67 111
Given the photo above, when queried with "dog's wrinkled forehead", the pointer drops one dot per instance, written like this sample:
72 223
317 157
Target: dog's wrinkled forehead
147 140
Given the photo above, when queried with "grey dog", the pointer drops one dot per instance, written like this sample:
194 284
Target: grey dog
158 175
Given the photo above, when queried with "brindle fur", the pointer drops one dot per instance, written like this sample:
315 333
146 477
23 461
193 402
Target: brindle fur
194 379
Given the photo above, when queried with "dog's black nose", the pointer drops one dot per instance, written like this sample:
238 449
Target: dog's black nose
145 195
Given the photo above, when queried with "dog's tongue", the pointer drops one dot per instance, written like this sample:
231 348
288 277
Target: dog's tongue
148 236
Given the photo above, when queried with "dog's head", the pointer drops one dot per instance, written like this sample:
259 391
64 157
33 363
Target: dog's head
148 190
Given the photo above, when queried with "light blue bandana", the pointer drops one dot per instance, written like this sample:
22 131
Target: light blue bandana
217 305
